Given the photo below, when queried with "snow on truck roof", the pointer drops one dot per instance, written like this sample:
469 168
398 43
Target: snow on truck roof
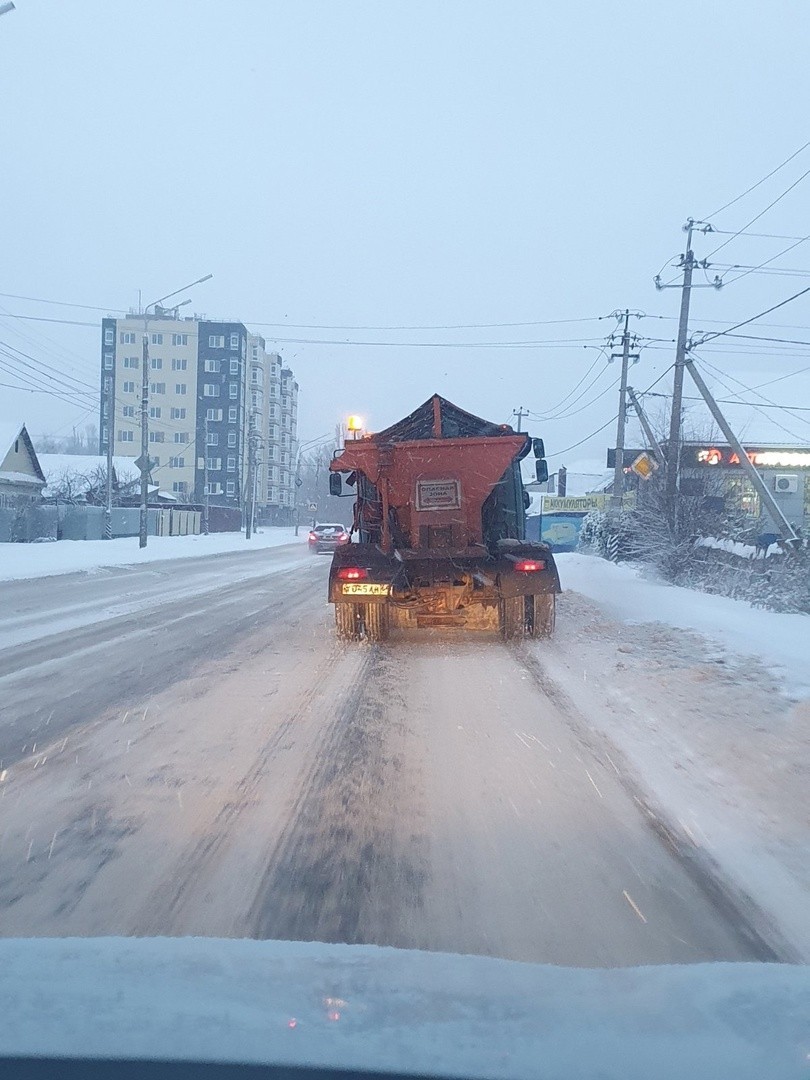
438 418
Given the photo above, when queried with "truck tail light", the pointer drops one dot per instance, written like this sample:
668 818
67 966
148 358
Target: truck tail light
529 566
352 573
313 536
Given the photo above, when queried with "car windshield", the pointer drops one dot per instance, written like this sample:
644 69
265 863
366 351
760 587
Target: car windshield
404 501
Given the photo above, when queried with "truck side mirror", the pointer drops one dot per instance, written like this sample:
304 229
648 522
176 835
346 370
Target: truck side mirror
527 500
335 483
541 470
539 448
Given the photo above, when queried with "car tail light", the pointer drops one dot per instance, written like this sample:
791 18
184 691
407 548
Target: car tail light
529 566
313 536
343 536
352 573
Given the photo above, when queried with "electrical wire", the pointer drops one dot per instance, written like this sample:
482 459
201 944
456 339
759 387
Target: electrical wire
753 318
753 187
760 214
720 378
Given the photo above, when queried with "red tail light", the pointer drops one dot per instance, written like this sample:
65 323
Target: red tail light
343 536
352 573
313 536
529 566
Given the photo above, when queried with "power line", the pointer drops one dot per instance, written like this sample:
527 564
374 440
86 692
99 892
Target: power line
753 187
745 322
719 376
761 213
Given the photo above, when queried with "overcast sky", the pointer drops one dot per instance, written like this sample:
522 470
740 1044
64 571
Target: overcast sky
372 165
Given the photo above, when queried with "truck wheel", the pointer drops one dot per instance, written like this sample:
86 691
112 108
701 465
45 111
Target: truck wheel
347 621
512 618
540 615
376 622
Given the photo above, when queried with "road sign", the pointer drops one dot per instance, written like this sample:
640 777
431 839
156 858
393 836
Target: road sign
312 507
149 462
644 465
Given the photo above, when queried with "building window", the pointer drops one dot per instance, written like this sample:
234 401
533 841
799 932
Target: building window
154 412
129 387
155 363
178 414
231 464
177 463
255 352
230 488
180 388
213 414
156 436
157 339
132 362
210 390
233 390
211 366
215 463
254 399
234 367
181 437
157 388
232 411
179 365
179 339
213 439
231 438
127 338
126 436
214 488
109 336
108 361
128 410
234 341
216 341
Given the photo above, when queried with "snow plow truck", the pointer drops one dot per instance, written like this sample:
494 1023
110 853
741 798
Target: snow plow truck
439 530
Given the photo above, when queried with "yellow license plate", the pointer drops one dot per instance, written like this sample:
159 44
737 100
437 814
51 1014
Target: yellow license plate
366 590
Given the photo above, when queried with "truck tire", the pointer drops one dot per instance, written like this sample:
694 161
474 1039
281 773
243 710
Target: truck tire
512 618
347 621
376 622
540 615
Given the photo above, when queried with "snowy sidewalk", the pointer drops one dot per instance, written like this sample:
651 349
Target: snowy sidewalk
708 700
18 561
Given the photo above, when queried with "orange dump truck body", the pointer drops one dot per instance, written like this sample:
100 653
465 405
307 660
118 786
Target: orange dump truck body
440 529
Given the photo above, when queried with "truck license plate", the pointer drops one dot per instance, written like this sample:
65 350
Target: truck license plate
366 590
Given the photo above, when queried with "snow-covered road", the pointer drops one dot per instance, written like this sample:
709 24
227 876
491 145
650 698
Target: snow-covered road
187 750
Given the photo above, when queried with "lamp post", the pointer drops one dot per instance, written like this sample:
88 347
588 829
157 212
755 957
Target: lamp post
301 447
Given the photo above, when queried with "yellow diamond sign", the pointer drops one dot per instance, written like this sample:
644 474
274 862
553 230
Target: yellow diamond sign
644 466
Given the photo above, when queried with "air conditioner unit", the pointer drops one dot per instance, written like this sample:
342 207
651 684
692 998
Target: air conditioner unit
786 484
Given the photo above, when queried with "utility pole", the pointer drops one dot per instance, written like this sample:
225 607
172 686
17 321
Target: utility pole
688 264
108 386
653 443
760 485
618 471
144 518
205 476
520 413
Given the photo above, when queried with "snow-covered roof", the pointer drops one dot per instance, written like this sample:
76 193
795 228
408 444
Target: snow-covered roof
79 467
10 431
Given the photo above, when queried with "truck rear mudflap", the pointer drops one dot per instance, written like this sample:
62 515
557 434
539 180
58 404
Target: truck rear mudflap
512 592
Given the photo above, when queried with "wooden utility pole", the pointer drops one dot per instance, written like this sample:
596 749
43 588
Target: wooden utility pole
618 469
652 442
520 413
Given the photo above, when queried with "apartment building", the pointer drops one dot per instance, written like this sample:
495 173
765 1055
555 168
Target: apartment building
209 382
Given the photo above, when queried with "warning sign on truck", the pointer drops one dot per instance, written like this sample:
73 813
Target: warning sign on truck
438 494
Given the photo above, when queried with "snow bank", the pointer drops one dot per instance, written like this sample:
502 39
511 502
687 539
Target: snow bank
631 594
69 556
363 1007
